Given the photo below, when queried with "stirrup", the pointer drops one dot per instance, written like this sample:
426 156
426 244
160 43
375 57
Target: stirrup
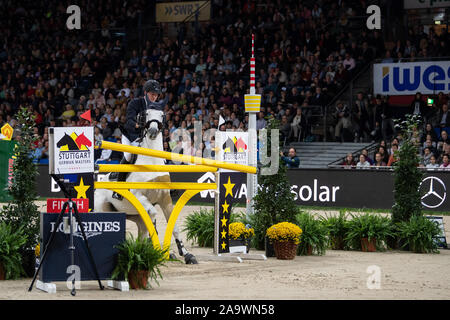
117 196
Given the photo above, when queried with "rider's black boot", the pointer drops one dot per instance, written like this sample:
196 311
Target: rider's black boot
121 178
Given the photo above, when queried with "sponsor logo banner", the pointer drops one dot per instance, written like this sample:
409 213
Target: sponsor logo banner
408 78
180 11
73 150
233 147
103 230
55 205
320 187
417 4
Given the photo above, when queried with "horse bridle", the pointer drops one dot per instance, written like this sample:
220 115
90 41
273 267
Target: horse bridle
144 125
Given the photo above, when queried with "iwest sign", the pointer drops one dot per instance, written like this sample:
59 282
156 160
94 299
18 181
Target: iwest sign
418 4
55 205
180 11
408 78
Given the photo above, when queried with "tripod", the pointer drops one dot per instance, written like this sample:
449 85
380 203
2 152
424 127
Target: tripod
73 211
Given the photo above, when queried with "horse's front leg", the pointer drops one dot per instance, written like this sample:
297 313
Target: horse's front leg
151 211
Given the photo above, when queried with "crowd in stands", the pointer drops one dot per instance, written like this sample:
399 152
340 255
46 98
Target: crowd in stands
432 144
60 73
305 53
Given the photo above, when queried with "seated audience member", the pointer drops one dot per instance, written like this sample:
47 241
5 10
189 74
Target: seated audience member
429 133
379 162
392 157
384 155
445 162
444 137
363 163
427 154
348 162
291 161
394 141
432 165
366 154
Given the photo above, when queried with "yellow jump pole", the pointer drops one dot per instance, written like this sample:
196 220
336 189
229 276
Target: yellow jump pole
154 168
154 185
174 156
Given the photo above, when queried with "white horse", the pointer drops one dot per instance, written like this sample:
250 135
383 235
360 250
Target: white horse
152 139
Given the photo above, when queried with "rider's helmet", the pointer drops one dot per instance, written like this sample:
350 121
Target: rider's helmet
152 86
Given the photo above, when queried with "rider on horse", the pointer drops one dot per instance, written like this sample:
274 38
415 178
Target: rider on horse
132 131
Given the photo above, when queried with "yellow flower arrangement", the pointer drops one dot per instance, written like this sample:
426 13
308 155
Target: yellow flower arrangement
37 250
238 230
285 231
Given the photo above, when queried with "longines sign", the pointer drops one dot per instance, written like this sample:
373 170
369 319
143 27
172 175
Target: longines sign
322 187
104 230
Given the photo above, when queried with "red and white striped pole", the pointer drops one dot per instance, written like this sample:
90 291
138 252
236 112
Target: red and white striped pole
252 67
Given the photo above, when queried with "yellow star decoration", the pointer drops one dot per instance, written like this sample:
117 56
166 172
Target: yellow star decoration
229 187
81 189
224 222
224 245
225 207
224 233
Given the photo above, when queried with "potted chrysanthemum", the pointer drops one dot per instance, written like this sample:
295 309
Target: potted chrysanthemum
285 237
240 234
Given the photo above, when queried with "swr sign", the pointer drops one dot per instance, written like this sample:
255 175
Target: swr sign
179 11
55 205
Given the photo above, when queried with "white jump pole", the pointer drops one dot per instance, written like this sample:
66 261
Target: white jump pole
252 106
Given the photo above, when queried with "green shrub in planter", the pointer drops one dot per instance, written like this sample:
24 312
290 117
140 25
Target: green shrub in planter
138 255
11 243
337 227
274 201
314 238
199 226
369 226
419 233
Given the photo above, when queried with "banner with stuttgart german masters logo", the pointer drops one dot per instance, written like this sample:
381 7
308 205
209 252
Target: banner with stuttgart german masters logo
232 147
73 150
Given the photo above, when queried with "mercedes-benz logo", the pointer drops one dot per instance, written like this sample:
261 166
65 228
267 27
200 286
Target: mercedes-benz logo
435 194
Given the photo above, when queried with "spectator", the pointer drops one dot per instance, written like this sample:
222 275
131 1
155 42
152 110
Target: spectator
433 164
349 62
379 160
383 153
361 116
298 126
442 119
366 154
285 129
428 133
342 121
291 161
426 156
418 105
445 162
362 164
348 162
392 157
97 134
261 122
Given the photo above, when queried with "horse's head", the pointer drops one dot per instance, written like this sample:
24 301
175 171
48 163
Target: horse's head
154 120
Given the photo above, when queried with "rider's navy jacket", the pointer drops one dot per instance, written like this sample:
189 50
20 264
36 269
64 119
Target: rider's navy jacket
135 107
